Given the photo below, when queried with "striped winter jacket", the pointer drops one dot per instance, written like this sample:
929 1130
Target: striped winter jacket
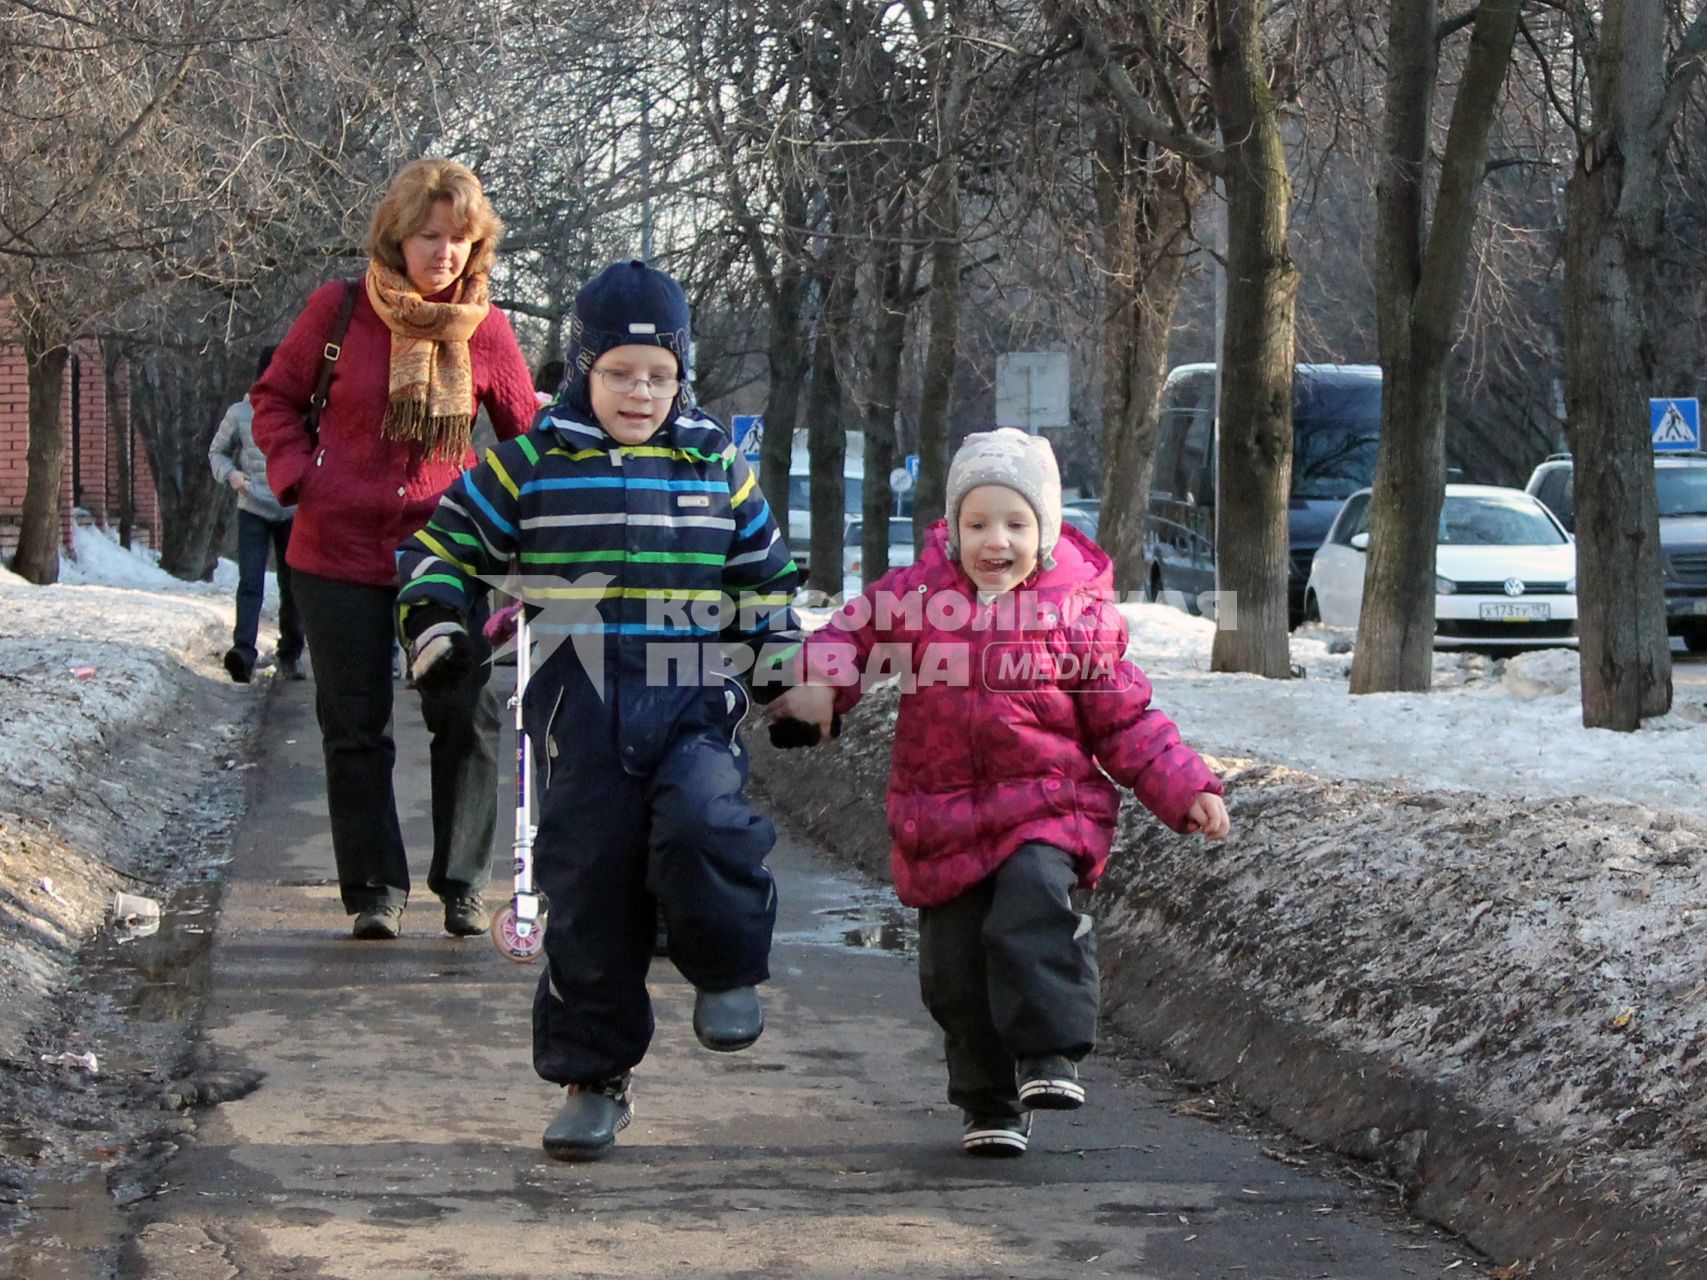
652 574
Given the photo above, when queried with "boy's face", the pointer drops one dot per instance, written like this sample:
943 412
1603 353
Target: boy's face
998 538
633 416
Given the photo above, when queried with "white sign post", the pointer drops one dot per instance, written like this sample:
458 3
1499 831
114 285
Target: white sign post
1031 390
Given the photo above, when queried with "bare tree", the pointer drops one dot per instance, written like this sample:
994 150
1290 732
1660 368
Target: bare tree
1423 257
1633 92
1255 417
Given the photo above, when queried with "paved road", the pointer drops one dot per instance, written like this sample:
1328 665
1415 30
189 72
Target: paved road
396 1131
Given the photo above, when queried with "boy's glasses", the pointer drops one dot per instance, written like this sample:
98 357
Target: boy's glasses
622 383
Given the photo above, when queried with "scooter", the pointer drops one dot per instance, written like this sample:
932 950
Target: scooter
518 928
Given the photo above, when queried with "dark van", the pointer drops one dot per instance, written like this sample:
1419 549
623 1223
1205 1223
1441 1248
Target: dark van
1336 429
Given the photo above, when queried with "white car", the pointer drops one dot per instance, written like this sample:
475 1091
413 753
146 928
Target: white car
1505 571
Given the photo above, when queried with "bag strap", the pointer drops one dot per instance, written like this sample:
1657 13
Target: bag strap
333 350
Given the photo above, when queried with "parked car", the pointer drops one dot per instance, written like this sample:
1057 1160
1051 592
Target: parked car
1083 515
1336 432
1681 482
1505 570
901 550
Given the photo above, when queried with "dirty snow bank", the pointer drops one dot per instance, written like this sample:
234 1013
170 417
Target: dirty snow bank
1463 895
116 713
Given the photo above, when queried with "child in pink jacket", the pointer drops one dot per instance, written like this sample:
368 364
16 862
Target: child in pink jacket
1017 708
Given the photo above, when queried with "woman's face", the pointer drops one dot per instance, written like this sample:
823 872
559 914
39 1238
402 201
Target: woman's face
434 256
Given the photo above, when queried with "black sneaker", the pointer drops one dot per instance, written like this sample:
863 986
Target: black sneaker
1050 1083
290 669
727 1021
379 923
592 1116
466 916
999 1136
239 665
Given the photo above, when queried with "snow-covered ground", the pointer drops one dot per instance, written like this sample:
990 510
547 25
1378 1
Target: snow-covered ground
1508 726
98 650
101 639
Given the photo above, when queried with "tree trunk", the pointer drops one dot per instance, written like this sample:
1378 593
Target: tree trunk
37 556
826 425
786 358
1612 224
176 402
1143 209
888 333
119 435
937 402
1420 274
1254 474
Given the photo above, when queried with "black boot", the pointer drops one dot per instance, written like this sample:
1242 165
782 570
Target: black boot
726 1021
239 666
592 1116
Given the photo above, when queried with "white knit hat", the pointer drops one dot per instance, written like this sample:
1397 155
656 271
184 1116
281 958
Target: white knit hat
1021 462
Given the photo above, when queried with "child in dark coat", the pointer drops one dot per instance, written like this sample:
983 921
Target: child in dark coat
655 577
1018 706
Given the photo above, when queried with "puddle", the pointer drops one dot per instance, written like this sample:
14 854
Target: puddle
72 1237
864 926
158 975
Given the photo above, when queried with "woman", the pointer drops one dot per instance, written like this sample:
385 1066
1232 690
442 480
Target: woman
424 347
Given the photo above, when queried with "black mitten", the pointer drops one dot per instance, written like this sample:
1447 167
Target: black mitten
440 656
788 732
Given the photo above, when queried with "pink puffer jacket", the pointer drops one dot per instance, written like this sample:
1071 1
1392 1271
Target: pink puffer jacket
1007 711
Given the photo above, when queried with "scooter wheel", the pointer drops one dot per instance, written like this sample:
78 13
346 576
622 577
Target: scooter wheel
510 942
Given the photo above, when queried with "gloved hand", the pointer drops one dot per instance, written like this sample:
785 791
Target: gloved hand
787 732
501 626
440 650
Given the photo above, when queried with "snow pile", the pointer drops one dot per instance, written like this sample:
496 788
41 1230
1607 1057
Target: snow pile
1496 726
80 661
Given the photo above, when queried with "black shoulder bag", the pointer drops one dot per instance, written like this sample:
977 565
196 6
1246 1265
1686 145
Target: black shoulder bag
333 350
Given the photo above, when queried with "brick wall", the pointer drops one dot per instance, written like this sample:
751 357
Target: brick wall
93 438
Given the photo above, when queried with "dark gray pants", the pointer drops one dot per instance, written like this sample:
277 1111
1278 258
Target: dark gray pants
1008 970
350 629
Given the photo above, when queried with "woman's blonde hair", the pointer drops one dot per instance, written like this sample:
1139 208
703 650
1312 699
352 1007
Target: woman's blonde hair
408 204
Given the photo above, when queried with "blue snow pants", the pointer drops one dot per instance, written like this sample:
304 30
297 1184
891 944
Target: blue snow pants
616 849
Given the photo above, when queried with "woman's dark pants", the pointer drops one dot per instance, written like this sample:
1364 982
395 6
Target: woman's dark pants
351 628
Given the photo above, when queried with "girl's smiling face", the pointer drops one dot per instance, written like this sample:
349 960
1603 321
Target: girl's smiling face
998 538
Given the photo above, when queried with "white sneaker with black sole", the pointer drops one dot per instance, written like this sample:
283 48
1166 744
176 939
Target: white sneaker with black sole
1050 1083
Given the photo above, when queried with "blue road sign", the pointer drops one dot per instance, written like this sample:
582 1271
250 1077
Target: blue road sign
749 432
1675 424
913 466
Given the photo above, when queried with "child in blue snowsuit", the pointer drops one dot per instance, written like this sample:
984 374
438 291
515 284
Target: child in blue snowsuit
654 576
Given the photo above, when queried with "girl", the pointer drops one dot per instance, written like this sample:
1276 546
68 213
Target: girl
1016 698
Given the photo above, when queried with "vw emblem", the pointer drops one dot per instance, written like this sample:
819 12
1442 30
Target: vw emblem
1514 586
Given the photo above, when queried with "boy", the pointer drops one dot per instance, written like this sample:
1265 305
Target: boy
652 568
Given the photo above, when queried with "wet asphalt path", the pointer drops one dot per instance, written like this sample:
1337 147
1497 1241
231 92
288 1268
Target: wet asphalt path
396 1131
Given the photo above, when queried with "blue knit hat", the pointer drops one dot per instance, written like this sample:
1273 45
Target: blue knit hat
627 302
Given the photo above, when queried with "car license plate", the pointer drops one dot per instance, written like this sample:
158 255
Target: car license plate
1527 612
1697 606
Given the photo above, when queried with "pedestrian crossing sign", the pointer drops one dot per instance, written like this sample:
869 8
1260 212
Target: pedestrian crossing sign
1675 424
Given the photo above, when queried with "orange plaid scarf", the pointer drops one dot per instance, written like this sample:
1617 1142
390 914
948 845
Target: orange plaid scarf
431 398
